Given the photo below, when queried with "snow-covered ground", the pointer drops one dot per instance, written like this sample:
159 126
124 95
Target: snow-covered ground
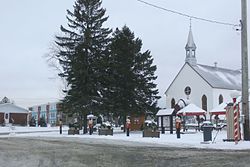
191 139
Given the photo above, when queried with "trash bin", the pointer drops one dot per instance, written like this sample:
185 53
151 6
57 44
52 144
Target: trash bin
207 132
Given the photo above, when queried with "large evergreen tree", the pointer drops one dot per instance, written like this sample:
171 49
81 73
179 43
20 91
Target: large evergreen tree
132 88
82 56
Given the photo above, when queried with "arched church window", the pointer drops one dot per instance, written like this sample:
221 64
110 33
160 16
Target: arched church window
204 102
172 103
220 99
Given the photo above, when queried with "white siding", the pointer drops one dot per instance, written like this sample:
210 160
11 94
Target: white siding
224 92
199 87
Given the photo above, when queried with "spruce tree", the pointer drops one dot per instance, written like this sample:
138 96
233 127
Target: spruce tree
132 88
82 57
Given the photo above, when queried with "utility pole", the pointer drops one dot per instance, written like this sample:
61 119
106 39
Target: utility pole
244 63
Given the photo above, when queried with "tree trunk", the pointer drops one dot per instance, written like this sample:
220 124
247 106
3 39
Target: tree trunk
80 123
124 123
85 123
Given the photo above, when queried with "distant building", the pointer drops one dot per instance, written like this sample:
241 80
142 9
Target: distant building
12 114
205 86
52 112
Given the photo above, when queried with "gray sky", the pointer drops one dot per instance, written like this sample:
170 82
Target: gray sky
28 28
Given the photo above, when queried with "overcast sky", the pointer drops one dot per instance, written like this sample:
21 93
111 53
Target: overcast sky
28 28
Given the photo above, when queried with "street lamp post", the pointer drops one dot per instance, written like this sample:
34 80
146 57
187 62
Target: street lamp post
244 62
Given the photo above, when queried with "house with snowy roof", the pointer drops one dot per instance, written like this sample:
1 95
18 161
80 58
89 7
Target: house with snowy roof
12 114
205 86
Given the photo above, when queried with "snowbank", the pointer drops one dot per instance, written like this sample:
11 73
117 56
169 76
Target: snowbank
191 139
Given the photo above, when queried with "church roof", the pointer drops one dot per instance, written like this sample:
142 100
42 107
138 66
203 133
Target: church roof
219 77
216 77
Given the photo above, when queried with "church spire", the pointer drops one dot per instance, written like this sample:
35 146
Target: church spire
190 48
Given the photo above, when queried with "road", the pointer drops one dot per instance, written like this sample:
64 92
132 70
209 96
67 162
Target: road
76 152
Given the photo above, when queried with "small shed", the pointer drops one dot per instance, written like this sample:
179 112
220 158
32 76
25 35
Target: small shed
10 113
137 122
165 119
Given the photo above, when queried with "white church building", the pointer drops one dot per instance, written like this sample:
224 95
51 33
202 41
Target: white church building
205 86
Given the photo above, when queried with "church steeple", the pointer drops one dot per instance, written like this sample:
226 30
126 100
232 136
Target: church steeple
190 48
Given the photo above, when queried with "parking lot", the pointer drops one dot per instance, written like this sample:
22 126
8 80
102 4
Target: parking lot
60 152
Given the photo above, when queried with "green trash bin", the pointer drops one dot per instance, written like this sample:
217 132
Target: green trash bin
207 132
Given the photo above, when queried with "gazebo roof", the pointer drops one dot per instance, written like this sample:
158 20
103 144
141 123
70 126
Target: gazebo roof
191 110
219 110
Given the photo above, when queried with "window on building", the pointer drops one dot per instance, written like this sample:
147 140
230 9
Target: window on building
204 102
193 53
52 115
220 99
172 103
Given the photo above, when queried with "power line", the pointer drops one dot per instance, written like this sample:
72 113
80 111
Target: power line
189 16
